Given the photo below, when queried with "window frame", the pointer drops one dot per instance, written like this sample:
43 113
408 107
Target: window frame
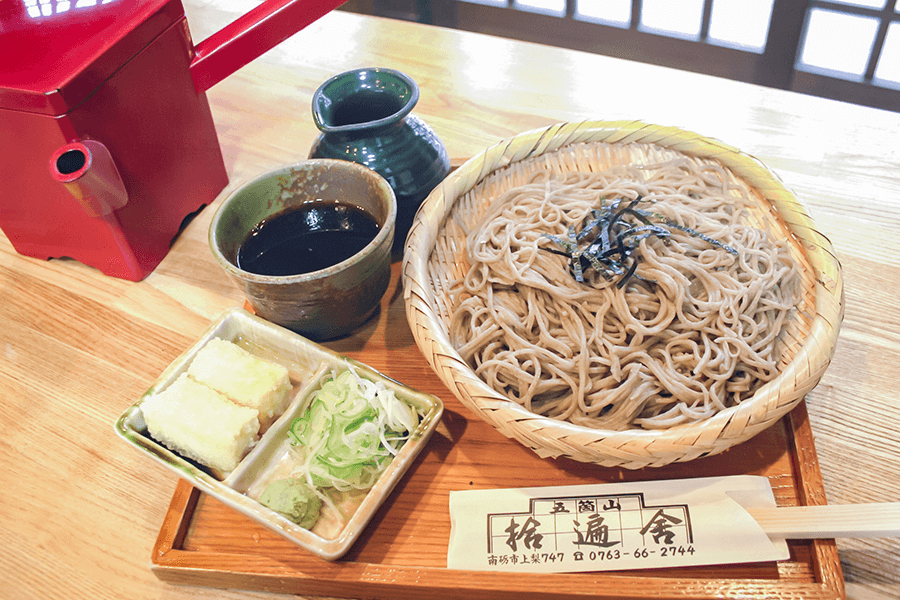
778 65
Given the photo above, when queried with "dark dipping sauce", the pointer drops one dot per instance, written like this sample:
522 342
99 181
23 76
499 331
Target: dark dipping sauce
306 238
364 106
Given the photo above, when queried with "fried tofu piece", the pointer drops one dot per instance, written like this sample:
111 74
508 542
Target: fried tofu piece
199 423
244 378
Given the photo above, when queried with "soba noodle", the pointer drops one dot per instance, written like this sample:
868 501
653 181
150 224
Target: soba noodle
695 331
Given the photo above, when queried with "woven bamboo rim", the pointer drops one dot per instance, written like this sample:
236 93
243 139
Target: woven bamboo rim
435 255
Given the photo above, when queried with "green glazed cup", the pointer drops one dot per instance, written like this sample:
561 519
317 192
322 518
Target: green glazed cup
323 304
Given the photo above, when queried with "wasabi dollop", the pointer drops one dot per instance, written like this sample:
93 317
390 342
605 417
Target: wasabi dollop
294 499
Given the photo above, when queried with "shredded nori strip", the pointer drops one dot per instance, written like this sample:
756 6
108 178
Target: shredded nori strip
610 237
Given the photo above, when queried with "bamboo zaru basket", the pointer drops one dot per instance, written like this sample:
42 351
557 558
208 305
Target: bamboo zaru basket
435 257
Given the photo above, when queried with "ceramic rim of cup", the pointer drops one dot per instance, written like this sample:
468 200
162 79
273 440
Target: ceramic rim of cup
384 230
407 107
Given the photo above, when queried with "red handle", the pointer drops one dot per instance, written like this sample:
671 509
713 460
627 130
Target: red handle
249 36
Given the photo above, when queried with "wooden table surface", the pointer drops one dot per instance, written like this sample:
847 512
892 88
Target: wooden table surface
81 510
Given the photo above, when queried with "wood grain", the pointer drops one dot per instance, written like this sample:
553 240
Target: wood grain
403 551
80 511
881 519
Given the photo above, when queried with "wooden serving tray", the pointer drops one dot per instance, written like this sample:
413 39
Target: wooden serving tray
403 551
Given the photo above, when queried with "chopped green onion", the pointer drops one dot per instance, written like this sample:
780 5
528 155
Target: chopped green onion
351 430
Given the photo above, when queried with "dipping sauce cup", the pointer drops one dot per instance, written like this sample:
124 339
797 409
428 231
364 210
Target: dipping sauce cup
328 302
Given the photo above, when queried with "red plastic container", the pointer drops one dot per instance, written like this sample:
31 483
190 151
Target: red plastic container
107 143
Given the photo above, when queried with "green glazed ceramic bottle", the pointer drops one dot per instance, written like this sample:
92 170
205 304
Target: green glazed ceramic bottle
365 116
